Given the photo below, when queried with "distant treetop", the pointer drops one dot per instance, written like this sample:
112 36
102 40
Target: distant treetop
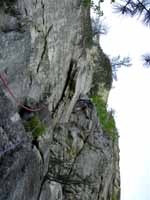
140 8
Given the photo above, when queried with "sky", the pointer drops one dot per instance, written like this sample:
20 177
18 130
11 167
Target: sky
130 98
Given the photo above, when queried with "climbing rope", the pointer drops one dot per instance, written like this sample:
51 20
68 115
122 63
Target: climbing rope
10 148
5 83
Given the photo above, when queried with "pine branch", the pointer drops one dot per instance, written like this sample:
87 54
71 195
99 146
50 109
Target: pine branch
133 8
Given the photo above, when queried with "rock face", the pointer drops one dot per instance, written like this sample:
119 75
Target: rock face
52 146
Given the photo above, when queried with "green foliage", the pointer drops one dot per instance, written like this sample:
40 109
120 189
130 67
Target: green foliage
86 3
140 8
114 196
118 62
106 118
35 126
102 72
95 7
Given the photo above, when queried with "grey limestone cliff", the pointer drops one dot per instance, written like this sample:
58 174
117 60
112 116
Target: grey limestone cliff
52 145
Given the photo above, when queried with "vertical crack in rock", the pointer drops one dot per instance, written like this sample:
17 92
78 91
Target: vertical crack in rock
70 75
100 188
26 12
71 169
43 11
30 80
44 48
42 184
36 144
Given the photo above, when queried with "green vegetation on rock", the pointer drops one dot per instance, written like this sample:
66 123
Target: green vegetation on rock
95 6
114 196
86 3
106 118
36 126
102 76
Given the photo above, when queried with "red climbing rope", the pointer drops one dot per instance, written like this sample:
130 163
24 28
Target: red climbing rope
4 81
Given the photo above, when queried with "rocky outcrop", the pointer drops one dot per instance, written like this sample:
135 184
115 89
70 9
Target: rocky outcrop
52 145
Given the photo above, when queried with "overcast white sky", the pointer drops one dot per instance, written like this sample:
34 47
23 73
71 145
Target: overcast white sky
131 100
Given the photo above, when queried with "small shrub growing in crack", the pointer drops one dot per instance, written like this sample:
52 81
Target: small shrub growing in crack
106 118
36 126
114 197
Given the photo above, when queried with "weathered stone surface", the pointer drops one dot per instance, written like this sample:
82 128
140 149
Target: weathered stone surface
84 164
47 63
20 164
51 190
